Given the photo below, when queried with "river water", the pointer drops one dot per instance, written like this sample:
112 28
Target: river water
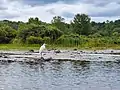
60 75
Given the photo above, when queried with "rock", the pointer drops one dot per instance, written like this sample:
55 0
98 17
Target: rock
91 52
100 57
48 59
32 62
5 56
95 52
27 54
10 61
72 56
42 58
57 51
111 51
78 52
81 51
44 54
31 50
75 49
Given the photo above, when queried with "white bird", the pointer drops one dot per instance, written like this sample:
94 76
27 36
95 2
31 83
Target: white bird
41 49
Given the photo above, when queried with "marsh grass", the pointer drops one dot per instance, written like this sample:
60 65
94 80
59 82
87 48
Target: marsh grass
54 46
19 46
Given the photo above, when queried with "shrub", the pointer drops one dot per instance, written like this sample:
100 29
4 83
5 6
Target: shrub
34 40
69 40
47 39
16 41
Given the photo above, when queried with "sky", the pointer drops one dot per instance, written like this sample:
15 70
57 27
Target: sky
45 10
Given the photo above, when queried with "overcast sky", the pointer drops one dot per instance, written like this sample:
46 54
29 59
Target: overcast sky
21 10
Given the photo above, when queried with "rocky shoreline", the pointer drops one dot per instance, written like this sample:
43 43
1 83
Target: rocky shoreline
50 55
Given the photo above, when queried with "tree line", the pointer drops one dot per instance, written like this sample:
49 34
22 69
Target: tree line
81 31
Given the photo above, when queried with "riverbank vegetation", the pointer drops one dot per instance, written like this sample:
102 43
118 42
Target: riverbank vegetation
81 32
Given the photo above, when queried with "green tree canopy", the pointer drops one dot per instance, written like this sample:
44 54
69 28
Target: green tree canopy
59 23
38 31
81 24
6 33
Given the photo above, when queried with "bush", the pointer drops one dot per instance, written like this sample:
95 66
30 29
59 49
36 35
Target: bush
6 34
34 40
69 40
47 39
16 41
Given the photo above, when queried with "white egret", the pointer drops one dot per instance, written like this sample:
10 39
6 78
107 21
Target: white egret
41 49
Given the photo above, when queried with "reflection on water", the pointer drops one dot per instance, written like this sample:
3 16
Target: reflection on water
57 75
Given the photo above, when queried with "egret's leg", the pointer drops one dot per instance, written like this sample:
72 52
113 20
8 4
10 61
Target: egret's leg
41 54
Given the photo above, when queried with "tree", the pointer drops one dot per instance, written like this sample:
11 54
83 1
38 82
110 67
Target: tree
6 33
42 31
59 23
53 33
31 30
81 24
57 19
34 21
34 40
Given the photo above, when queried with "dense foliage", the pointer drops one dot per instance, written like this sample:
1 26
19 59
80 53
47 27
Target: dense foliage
81 31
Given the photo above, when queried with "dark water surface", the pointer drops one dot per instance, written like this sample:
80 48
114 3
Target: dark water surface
60 75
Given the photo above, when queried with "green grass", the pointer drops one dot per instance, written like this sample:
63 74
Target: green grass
18 47
31 46
37 46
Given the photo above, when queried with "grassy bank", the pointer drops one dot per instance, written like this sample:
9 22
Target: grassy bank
18 47
37 46
31 47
